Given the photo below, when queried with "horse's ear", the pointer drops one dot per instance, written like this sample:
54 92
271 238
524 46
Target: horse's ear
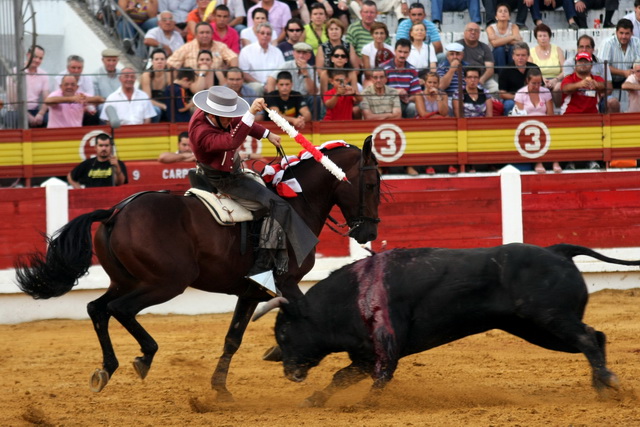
367 147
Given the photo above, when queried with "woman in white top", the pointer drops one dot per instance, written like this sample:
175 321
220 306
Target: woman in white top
536 100
502 35
249 35
423 55
376 52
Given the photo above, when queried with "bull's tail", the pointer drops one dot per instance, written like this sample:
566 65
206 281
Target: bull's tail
68 258
571 251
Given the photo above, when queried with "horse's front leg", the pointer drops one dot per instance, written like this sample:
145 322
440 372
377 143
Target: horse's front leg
241 316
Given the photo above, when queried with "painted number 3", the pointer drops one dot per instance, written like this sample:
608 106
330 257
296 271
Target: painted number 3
534 134
532 139
389 142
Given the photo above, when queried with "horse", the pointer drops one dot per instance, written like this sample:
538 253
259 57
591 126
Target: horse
159 244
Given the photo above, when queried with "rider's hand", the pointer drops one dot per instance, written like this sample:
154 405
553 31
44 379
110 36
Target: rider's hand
274 139
258 105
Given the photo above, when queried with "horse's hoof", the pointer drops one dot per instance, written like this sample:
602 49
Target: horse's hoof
141 368
224 396
274 354
98 380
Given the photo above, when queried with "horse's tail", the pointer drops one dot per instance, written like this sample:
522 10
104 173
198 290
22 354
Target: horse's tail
571 251
68 258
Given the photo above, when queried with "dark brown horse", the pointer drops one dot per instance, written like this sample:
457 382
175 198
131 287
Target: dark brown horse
160 244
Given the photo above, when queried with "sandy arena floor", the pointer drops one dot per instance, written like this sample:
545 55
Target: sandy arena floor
491 379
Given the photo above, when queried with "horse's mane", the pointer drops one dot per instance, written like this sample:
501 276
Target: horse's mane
303 165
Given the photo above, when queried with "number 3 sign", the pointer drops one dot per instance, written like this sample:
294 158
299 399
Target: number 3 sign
532 139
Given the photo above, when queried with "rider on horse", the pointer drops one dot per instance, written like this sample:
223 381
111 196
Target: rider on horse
216 130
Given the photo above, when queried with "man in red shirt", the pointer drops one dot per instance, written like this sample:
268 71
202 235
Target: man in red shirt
582 90
216 130
222 32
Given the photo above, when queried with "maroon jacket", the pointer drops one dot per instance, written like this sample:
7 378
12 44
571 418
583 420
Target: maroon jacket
216 147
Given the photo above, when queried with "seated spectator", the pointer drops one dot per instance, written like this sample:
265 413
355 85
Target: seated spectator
417 14
436 102
584 6
75 66
339 61
340 11
502 36
222 31
475 102
587 44
187 55
522 7
235 81
164 36
335 33
294 31
105 80
478 54
341 99
37 90
67 105
195 17
132 105
184 153
379 101
250 35
621 50
549 58
180 10
259 58
634 17
514 78
178 96
209 72
142 12
439 6
376 52
155 80
279 14
289 103
567 5
535 100
315 32
632 86
423 55
302 74
359 32
103 170
450 69
384 6
237 13
404 77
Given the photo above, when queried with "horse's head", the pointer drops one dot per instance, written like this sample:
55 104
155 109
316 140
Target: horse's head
359 198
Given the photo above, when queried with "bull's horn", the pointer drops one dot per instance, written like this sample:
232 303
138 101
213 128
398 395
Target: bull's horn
268 306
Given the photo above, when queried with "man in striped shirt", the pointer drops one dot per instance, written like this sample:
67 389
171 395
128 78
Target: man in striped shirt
404 77
359 32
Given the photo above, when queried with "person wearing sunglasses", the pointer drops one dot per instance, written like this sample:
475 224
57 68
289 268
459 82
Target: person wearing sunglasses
339 60
294 33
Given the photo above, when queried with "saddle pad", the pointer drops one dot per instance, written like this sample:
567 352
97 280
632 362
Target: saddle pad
224 209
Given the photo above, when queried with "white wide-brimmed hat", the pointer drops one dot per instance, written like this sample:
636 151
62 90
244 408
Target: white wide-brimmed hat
221 101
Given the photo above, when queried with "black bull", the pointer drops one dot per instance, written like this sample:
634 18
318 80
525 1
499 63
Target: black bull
405 301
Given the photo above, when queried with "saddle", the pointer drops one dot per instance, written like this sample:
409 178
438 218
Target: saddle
223 208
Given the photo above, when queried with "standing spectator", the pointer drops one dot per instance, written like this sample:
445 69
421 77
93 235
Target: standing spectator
583 6
103 170
142 12
222 31
184 153
259 58
37 82
475 101
288 102
279 14
621 50
632 86
549 57
106 80
478 54
502 36
587 44
439 6
195 17
187 55
301 73
450 69
634 17
180 9
335 34
178 96
294 34
209 72
423 55
379 101
315 31
339 60
235 81
67 105
376 52
165 35
404 77
513 79
132 105
341 99
154 81
535 100
250 35
418 14
359 32
567 5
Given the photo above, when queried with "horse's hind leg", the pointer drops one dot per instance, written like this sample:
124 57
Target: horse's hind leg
241 316
99 314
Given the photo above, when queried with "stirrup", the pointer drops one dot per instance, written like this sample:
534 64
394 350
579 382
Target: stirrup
265 281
